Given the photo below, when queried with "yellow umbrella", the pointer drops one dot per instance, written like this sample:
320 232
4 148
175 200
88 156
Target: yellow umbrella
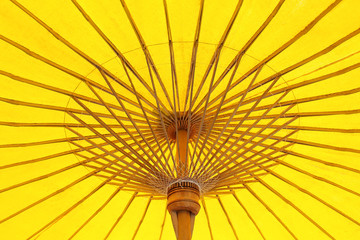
125 119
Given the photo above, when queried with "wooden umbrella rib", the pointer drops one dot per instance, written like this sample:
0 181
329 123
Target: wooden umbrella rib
206 167
172 59
229 120
96 212
63 109
217 51
246 47
72 47
276 150
124 127
121 215
317 160
247 176
227 217
67 211
45 176
61 91
137 170
175 87
297 85
191 78
245 117
48 107
248 214
302 128
207 217
320 145
162 118
128 115
190 83
317 177
204 113
149 60
303 62
213 63
295 207
134 176
49 196
127 180
142 217
119 172
270 210
231 173
254 145
51 156
61 68
250 168
132 189
163 224
148 167
154 135
134 124
286 45
313 196
305 114
113 47
219 107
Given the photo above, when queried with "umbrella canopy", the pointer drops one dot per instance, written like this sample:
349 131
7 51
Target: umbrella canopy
106 105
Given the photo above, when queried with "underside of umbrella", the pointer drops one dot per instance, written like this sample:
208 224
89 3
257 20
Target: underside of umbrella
196 119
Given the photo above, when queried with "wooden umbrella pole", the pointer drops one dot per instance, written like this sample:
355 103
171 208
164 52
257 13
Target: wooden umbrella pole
181 157
183 195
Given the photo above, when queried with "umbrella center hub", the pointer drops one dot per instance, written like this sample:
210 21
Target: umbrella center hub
183 205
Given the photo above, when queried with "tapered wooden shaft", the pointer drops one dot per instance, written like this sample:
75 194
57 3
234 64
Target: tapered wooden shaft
184 225
183 196
181 156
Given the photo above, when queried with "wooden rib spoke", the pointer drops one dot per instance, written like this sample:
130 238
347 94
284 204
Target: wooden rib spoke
313 196
227 216
270 210
142 218
207 217
96 212
67 211
244 50
207 166
286 45
248 214
121 215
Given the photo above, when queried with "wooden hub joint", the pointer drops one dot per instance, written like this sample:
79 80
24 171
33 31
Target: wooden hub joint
183 205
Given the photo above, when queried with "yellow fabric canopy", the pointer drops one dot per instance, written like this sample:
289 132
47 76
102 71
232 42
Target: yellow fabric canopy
94 93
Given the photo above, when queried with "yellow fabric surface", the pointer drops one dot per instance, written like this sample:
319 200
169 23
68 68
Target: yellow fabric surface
45 66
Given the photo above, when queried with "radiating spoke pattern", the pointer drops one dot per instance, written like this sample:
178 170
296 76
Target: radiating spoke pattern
97 95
